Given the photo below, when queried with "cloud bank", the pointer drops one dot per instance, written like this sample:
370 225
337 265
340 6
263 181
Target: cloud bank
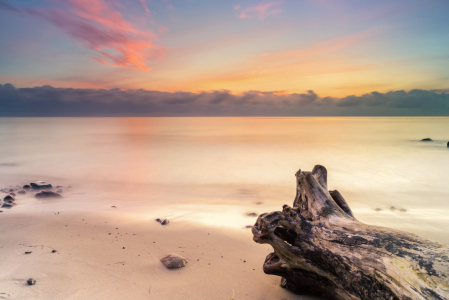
48 101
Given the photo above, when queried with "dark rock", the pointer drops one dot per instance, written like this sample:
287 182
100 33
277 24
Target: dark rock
259 203
165 222
427 140
22 192
28 252
26 186
53 251
47 194
393 208
1 210
448 144
31 281
113 206
251 215
403 210
6 205
9 198
41 185
12 194
249 226
158 220
378 209
173 261
11 190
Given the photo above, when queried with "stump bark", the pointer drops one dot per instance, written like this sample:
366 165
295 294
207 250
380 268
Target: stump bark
321 249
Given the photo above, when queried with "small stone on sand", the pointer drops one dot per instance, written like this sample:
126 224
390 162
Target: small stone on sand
173 261
9 198
31 281
47 194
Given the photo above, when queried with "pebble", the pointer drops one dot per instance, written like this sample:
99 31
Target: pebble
173 261
47 194
31 281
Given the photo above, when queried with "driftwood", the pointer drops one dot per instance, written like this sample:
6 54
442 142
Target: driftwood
321 249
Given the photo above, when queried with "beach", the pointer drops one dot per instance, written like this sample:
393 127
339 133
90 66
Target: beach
211 180
107 256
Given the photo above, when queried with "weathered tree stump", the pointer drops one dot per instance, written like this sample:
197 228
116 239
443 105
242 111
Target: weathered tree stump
321 249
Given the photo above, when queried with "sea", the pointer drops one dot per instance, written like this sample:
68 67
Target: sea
213 171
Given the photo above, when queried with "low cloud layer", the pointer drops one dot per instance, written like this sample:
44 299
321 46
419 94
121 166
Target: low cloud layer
49 101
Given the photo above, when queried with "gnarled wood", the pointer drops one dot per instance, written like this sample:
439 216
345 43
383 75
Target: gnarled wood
321 249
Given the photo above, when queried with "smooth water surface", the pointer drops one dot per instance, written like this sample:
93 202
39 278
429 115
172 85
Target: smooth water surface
213 170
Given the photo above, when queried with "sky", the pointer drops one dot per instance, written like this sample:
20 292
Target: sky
204 57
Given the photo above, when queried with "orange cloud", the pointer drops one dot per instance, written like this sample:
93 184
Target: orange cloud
100 27
262 10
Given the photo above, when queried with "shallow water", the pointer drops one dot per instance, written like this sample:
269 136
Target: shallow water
214 170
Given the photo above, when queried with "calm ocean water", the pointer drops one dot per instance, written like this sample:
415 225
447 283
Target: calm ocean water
213 170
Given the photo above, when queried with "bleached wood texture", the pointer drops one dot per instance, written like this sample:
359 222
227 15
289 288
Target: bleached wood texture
321 249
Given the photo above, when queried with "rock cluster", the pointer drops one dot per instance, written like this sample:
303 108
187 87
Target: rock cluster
43 191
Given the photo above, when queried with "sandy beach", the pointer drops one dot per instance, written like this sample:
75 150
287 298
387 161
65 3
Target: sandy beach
104 255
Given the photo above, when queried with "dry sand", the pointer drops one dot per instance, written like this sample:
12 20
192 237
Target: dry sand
105 255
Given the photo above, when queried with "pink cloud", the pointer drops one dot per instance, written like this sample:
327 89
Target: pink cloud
237 7
261 10
100 27
144 4
162 28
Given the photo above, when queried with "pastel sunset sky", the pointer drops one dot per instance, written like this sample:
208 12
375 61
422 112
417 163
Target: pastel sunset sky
335 48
